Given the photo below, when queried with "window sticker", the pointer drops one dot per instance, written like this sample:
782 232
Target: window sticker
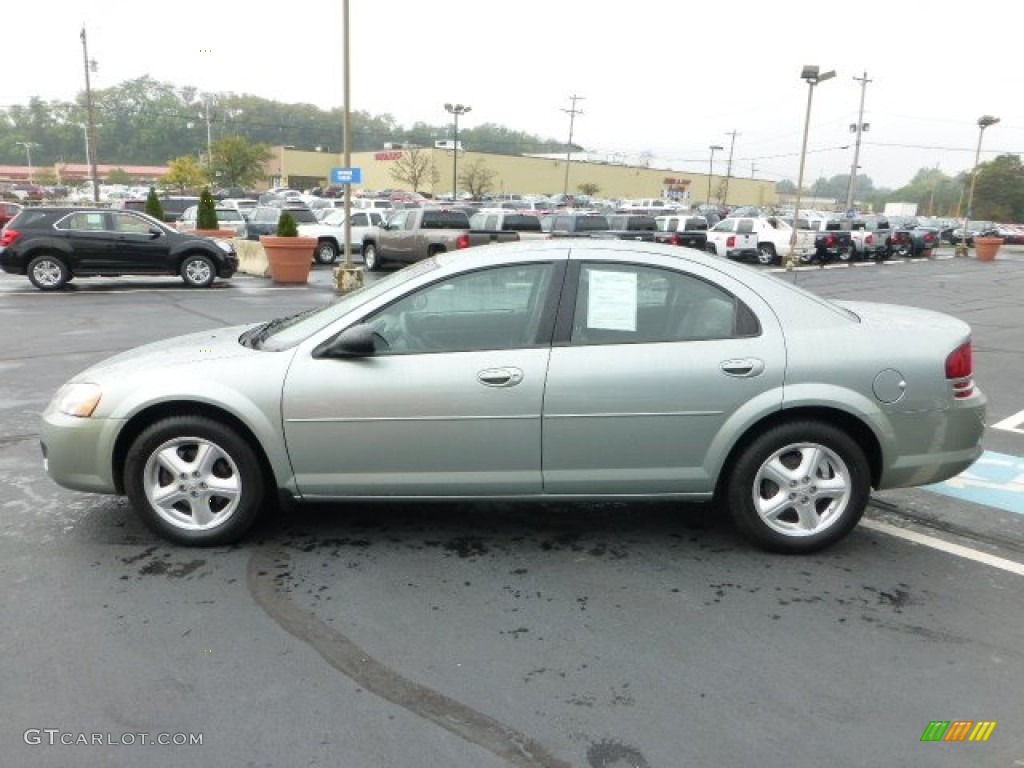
612 300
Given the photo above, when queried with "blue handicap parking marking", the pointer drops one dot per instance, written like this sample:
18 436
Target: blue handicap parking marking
995 480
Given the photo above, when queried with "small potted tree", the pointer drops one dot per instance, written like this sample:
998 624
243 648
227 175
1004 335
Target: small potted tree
153 207
206 217
289 256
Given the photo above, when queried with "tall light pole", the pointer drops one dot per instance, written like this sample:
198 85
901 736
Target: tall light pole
711 168
28 151
983 122
568 153
812 76
859 127
91 120
455 110
209 133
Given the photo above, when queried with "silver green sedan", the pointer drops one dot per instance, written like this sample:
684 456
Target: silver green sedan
572 369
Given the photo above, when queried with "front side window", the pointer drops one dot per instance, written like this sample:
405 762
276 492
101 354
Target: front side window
632 303
497 308
125 222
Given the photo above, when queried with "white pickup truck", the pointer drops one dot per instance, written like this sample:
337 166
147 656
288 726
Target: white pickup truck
764 238
330 232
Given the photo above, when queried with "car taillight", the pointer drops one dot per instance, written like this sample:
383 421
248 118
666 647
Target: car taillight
462 241
868 240
928 237
731 242
675 239
829 241
959 367
8 236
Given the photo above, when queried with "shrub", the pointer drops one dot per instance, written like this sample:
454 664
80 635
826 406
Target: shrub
286 226
153 207
206 216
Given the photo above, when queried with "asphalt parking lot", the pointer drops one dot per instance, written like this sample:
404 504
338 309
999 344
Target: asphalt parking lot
599 636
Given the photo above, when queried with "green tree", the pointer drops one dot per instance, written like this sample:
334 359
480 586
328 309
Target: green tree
588 188
415 168
185 174
206 217
119 176
999 190
153 207
286 226
238 162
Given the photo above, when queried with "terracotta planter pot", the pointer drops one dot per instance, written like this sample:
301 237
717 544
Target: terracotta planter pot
290 258
986 248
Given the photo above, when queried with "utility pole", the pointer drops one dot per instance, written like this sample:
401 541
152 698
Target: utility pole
91 121
728 167
568 155
859 127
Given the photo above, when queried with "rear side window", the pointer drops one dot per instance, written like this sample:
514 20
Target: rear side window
444 220
30 218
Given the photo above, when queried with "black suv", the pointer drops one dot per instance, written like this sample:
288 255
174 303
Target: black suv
54 245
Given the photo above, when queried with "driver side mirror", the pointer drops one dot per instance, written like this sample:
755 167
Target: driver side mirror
357 341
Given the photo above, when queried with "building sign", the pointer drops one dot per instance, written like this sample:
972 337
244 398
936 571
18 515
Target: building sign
677 182
387 155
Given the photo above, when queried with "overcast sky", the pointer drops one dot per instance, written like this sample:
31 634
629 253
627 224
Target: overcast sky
669 78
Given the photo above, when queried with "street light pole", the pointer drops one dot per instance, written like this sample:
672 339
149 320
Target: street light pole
28 151
455 110
810 74
983 122
711 168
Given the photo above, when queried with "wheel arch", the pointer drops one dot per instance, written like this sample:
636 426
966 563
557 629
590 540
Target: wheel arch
853 426
154 413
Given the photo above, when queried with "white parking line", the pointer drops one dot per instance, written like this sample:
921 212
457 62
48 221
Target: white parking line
1011 566
1012 423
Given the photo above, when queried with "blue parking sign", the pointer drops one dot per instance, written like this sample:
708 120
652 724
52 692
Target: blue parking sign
346 175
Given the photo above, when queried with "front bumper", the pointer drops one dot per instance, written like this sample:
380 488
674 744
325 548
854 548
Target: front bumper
77 452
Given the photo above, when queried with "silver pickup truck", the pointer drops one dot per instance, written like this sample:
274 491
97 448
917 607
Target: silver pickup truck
413 234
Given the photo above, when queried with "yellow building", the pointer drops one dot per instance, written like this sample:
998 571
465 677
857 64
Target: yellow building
516 175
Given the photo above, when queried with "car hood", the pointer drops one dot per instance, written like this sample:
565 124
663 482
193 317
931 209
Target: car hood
893 317
216 344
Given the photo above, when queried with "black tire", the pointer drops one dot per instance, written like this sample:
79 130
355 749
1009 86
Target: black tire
197 271
801 516
326 252
846 254
371 260
766 254
48 273
215 502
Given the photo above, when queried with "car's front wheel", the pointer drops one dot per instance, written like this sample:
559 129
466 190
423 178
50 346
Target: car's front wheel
326 252
197 271
48 273
798 487
194 481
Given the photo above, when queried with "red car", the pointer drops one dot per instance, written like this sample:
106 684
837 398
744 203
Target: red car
8 211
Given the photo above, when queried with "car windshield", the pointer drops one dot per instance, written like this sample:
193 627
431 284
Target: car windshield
286 332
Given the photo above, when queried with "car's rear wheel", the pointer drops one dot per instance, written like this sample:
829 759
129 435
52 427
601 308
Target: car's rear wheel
799 487
326 252
765 253
370 257
194 481
48 273
197 271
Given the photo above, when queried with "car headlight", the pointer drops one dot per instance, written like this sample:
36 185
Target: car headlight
79 399
225 246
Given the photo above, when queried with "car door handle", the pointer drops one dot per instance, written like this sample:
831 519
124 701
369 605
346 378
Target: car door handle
743 367
500 377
